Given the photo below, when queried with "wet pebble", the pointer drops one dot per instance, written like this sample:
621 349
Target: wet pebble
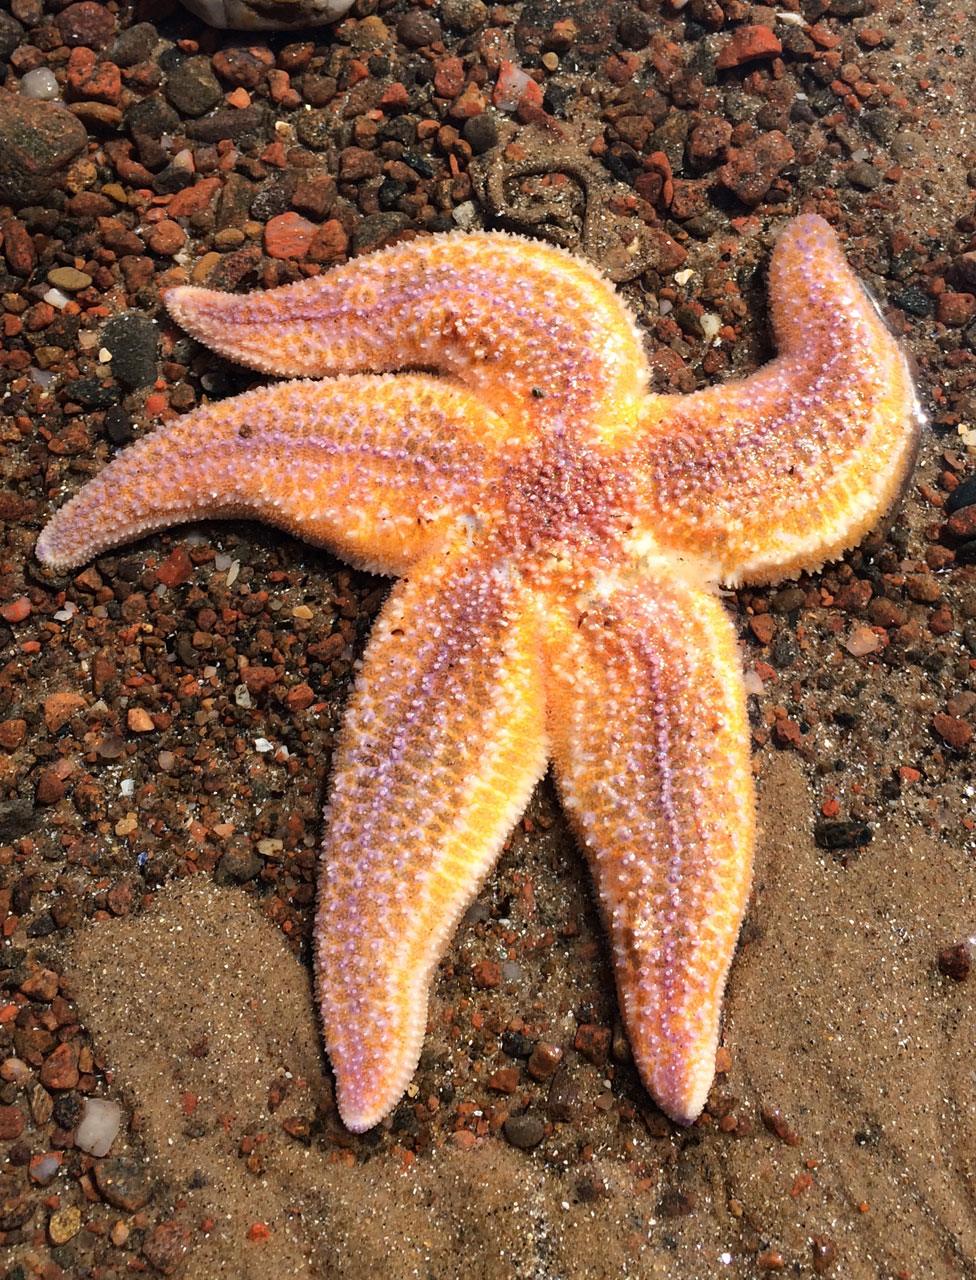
38 140
86 23
417 29
192 87
11 35
41 84
132 339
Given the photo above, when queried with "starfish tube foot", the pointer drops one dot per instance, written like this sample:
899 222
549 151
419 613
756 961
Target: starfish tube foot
559 533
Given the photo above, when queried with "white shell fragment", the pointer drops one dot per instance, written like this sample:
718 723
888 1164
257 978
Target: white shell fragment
268 15
99 1125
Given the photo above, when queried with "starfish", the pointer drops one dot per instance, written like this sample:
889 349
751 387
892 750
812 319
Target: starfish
559 534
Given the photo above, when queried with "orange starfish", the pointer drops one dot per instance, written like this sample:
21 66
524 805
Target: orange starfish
559 533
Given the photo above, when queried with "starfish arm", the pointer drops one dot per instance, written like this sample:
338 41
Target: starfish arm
376 468
650 748
539 333
784 470
443 741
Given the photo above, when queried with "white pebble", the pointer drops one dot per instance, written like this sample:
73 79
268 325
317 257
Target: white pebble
40 83
100 1122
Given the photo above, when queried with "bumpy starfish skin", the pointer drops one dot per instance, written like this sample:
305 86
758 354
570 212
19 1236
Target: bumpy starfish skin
558 533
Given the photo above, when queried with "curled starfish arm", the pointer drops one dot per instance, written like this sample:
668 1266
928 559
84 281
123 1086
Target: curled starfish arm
650 748
540 333
443 741
376 468
790 467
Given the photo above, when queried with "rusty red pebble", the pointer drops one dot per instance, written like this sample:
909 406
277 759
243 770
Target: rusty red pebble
60 1068
593 1042
166 1246
956 309
12 1123
956 961
41 985
751 170
962 523
300 697
823 1254
487 974
747 44
763 627
86 23
12 734
176 568
770 1260
166 238
504 1080
288 235
954 731
259 679
17 611
777 1124
544 1060
18 247
59 708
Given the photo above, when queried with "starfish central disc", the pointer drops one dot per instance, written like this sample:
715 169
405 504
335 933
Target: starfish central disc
564 497
558 533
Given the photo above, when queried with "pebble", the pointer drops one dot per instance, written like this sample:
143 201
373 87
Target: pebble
243 15
166 1246
192 87
964 495
956 961
86 23
69 278
60 1068
44 1167
863 176
11 35
139 720
15 1071
122 1182
842 835
17 610
12 1123
544 1060
132 338
823 1254
751 170
953 730
59 708
64 1224
417 29
464 15
747 44
100 1121
524 1132
41 83
38 140
955 309
134 45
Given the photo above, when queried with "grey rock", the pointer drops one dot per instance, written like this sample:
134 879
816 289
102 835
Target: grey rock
38 140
